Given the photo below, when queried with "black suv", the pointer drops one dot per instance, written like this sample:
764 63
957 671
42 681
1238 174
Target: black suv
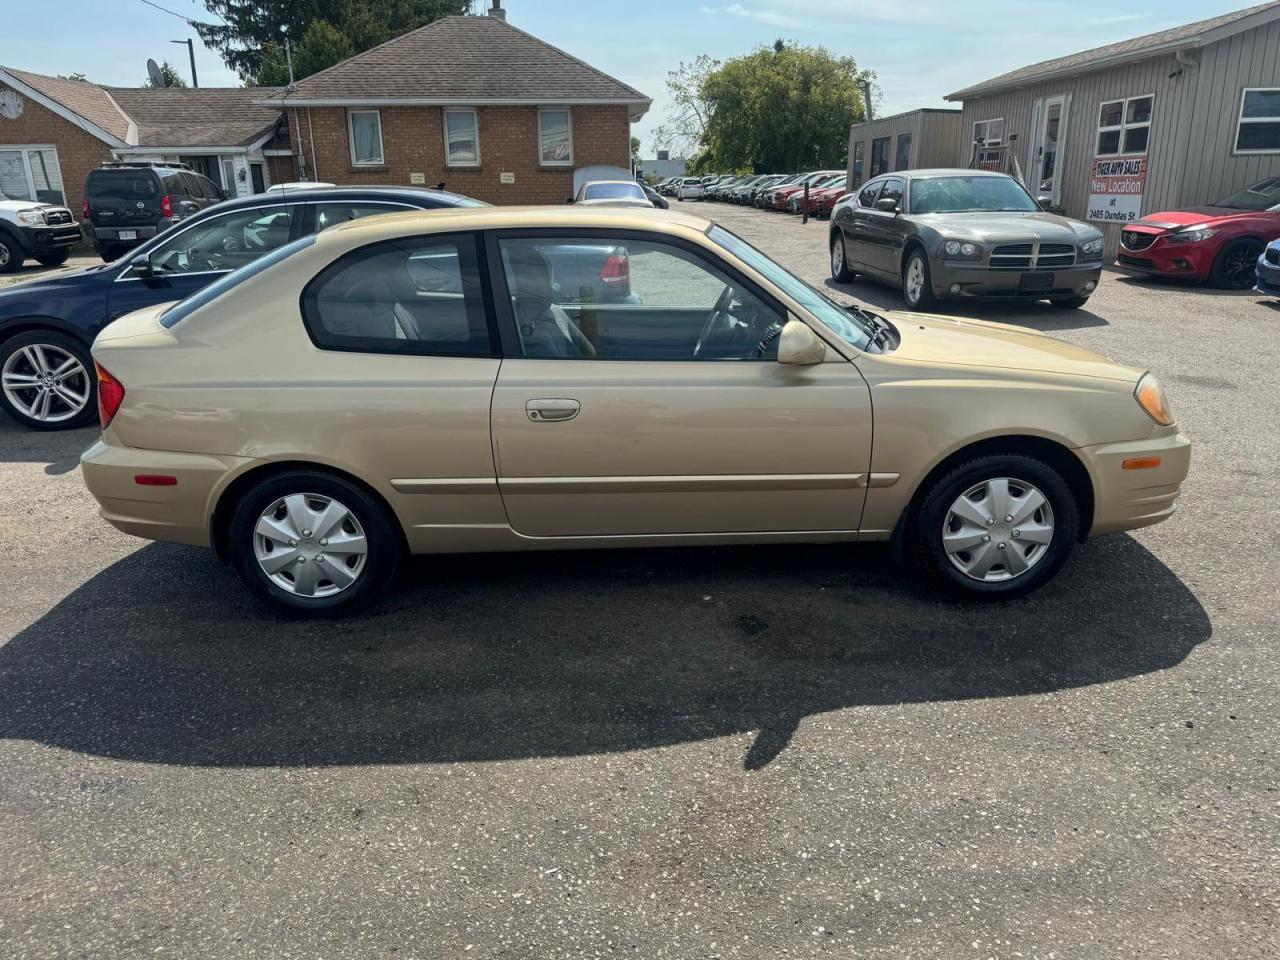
126 203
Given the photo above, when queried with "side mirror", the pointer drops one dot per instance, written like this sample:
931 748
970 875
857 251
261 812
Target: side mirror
568 200
141 266
799 346
887 205
1044 202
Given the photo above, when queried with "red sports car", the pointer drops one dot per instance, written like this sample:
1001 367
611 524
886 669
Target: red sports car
1220 243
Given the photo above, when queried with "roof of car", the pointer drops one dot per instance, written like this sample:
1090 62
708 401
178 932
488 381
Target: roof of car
500 218
941 172
320 194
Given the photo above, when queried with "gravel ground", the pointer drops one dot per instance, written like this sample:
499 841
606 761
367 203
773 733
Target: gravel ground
31 270
766 752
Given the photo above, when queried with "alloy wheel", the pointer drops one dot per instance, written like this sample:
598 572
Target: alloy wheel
998 529
915 280
310 545
4 255
837 258
45 382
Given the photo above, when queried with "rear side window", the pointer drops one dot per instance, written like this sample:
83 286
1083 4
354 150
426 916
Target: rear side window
180 311
417 295
123 185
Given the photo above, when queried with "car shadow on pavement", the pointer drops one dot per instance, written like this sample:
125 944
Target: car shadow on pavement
58 450
163 658
1038 315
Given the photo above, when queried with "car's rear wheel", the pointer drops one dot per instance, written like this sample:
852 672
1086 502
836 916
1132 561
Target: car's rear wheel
998 526
47 381
917 284
54 258
313 544
10 253
1236 266
840 271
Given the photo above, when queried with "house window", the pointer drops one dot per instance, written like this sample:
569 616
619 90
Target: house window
461 138
1258 130
858 149
31 173
989 132
1124 126
365 128
903 160
555 138
879 156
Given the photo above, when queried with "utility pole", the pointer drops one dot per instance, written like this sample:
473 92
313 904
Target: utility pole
191 52
865 86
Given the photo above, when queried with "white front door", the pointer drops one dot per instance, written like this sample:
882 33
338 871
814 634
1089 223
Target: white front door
1049 148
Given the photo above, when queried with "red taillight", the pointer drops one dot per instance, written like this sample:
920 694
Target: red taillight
616 269
110 395
166 206
84 209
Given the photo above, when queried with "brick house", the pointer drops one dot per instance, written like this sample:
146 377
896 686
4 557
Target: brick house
469 101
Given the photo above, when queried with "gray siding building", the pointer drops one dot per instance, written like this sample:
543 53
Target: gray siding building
905 141
1173 119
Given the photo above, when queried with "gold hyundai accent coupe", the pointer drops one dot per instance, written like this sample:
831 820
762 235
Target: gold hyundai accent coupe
548 378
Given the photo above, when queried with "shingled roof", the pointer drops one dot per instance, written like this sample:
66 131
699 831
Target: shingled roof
87 100
465 60
1153 44
199 117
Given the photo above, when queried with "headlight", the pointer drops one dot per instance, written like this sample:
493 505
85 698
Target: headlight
31 217
961 248
1092 246
1151 398
1191 236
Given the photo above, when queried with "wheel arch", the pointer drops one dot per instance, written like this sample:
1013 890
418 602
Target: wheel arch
1057 455
913 243
229 496
29 324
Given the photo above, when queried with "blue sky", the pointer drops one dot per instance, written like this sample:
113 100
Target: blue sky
921 49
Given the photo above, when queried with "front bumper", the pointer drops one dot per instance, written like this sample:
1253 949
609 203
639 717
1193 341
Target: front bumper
1128 499
180 513
1268 278
1190 261
956 280
40 239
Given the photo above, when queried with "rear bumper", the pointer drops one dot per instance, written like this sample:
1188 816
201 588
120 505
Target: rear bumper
180 513
1128 499
956 281
1268 278
145 231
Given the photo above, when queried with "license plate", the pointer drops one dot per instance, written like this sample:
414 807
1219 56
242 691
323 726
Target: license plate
128 234
1035 283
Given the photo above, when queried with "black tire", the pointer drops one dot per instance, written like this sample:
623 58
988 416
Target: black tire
925 531
1070 303
108 252
1236 265
54 258
840 271
926 300
11 254
82 383
385 545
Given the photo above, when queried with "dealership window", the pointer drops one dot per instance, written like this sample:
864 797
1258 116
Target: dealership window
555 138
461 138
857 161
1258 130
365 128
31 173
989 132
1124 126
879 156
903 159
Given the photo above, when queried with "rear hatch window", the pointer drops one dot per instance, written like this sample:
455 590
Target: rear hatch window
123 195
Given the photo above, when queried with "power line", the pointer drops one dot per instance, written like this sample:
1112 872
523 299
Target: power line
173 13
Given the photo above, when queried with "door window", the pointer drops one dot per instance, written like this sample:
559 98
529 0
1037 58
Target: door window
633 300
903 160
893 189
867 195
879 156
327 214
416 296
225 242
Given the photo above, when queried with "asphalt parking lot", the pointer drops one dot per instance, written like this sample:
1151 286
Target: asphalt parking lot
746 752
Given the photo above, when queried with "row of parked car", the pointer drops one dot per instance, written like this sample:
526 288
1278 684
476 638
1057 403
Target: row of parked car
768 191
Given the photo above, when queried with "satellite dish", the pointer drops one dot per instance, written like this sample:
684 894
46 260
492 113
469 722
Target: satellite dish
154 72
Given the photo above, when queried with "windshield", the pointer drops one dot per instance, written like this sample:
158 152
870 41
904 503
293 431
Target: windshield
1264 195
184 308
843 323
614 191
970 195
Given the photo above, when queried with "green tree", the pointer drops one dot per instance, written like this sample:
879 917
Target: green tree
635 148
251 35
170 75
73 76
685 126
780 108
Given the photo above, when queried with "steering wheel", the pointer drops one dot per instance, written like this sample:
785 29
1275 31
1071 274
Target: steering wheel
719 321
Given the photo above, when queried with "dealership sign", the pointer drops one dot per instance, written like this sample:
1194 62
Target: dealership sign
1115 190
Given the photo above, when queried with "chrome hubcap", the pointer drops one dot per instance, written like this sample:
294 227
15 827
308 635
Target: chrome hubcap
45 382
915 279
4 254
310 545
837 257
998 529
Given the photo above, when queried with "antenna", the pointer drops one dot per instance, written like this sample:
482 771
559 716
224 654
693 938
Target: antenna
156 75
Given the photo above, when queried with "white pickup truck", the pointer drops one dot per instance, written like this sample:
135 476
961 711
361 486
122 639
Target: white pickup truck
44 231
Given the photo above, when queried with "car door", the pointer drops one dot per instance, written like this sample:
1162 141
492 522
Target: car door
664 413
881 231
194 255
851 221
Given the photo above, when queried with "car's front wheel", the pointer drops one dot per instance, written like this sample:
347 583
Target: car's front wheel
917 284
10 254
997 526
47 381
54 258
1236 266
313 544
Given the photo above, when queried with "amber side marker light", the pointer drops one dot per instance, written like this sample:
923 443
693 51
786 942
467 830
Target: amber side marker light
1141 463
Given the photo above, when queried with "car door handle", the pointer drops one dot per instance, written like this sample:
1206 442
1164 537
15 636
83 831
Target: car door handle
551 409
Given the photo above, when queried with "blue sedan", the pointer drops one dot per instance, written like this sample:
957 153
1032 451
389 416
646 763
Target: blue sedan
47 379
1269 270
